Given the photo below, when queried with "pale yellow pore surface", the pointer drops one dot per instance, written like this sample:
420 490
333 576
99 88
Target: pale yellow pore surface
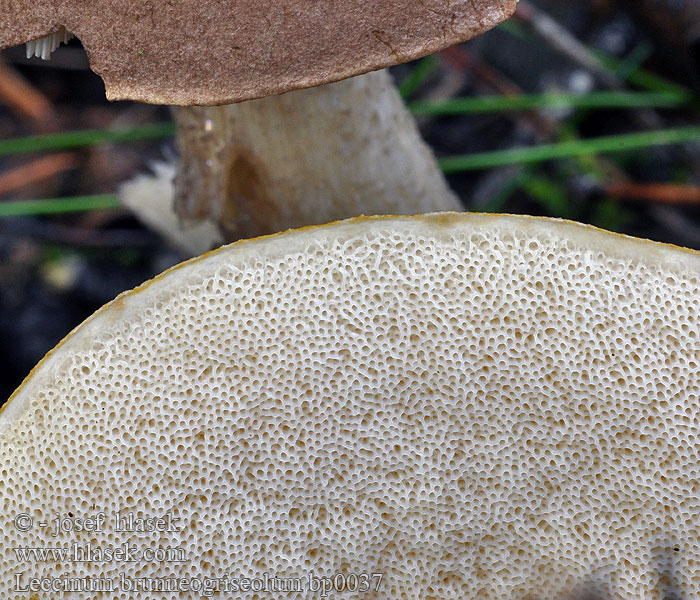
472 406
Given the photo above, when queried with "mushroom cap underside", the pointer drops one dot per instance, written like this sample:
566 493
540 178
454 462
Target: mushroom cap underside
472 406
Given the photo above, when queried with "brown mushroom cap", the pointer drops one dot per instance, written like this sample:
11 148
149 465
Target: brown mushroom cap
224 51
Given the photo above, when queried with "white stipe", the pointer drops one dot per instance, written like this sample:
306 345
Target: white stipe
44 46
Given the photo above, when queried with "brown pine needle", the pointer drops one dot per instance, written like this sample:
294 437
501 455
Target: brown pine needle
22 97
661 193
35 171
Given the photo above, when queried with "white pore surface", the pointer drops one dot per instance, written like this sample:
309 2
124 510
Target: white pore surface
473 407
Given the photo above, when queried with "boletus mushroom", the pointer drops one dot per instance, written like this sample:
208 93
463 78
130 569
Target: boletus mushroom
441 406
307 157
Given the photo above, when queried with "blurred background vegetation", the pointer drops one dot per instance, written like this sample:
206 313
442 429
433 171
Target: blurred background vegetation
587 110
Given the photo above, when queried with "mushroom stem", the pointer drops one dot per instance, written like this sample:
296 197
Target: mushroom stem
306 157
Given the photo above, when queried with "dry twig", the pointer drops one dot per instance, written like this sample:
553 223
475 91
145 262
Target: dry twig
35 171
22 97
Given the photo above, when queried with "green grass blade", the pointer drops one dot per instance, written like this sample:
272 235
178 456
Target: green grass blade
549 193
31 208
417 76
628 65
569 149
627 68
87 137
639 77
515 28
594 100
